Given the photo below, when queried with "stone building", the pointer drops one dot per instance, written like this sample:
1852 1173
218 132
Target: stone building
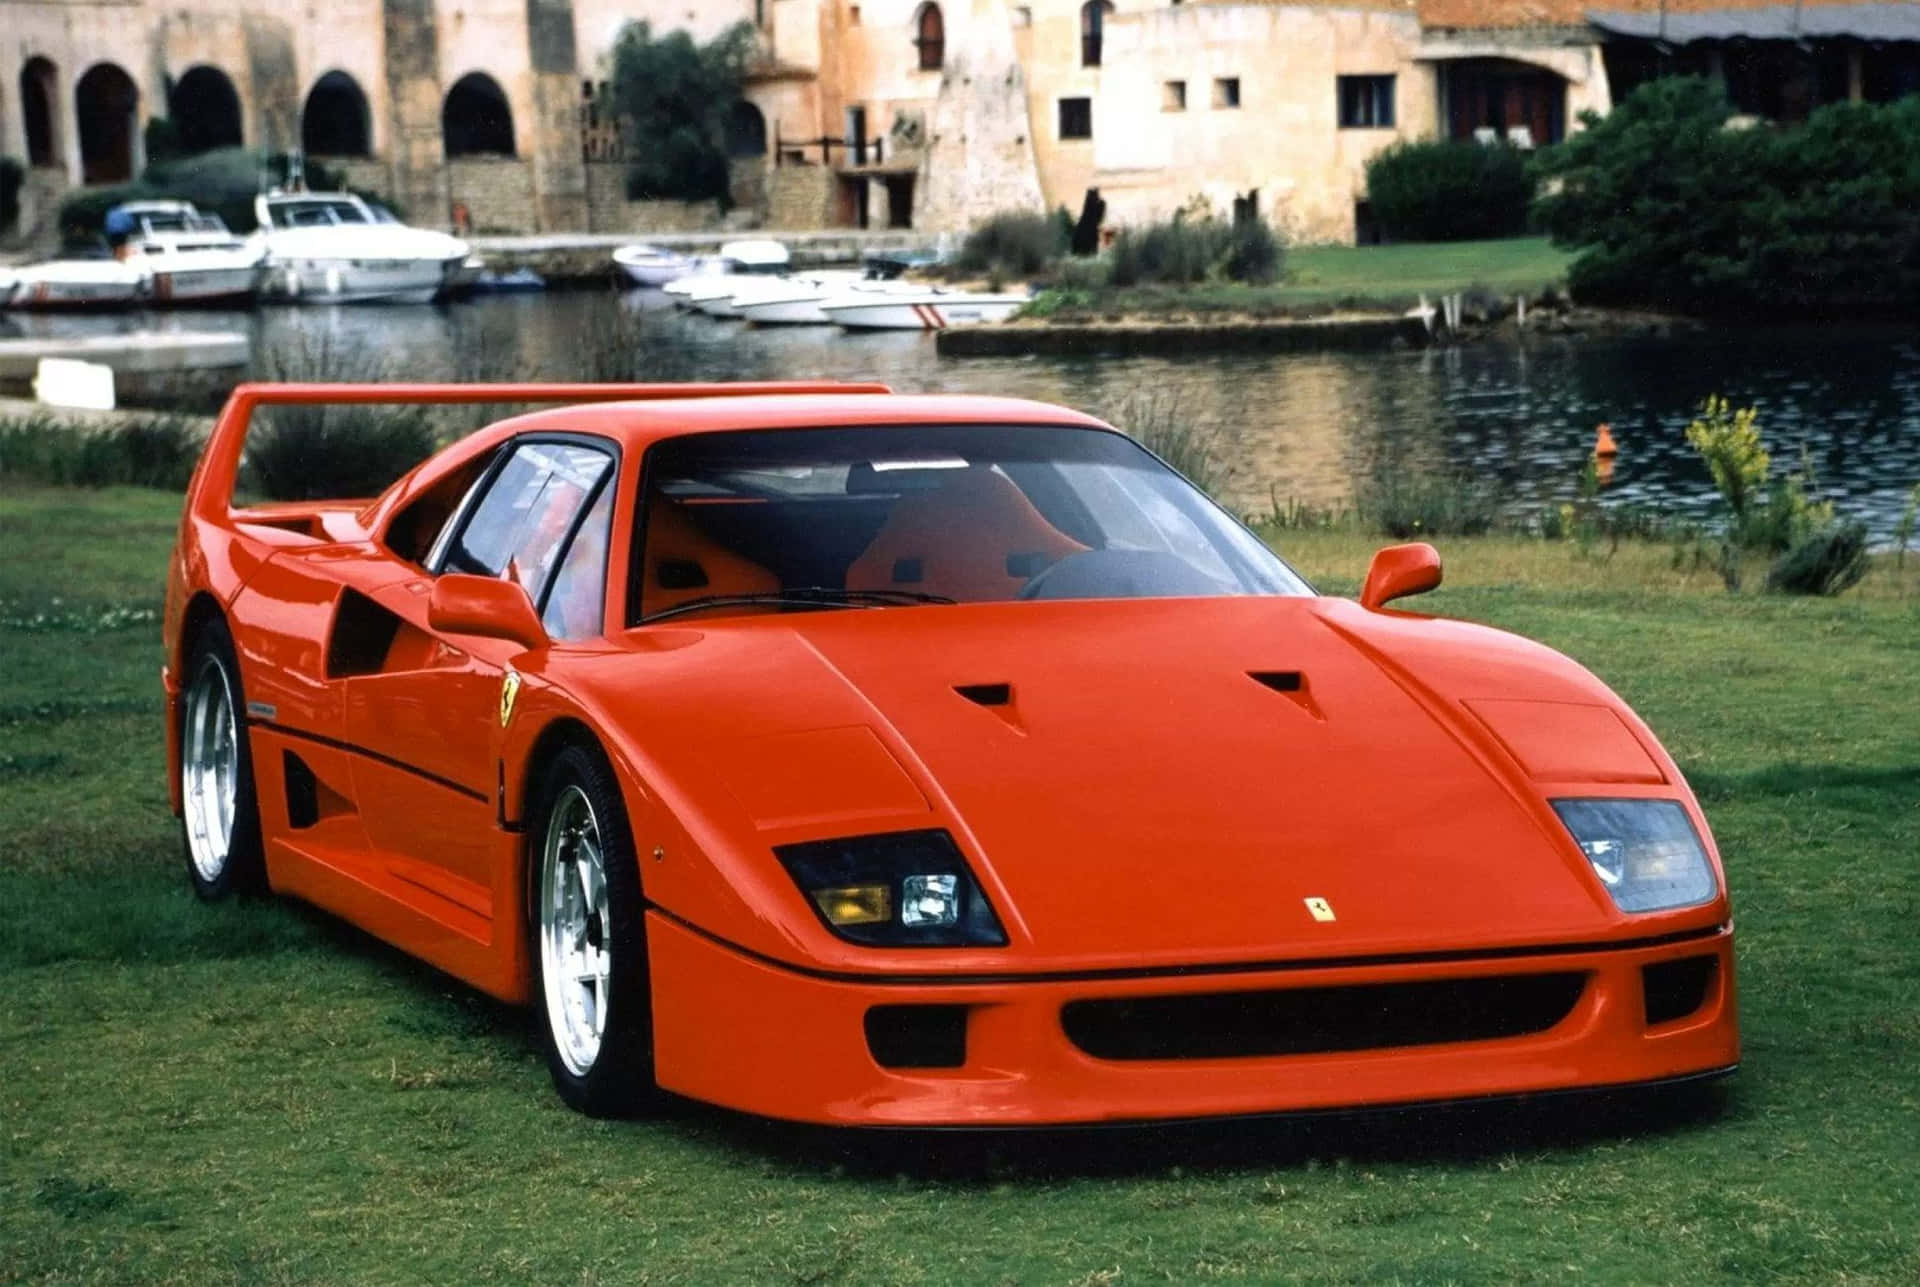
492 114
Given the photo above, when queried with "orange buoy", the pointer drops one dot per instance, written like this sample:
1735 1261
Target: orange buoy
1604 447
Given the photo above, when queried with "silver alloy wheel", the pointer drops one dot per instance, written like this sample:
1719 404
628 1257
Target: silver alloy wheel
575 949
210 769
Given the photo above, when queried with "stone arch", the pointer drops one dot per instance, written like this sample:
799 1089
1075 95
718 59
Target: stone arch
335 120
475 119
746 130
107 105
930 36
205 110
38 111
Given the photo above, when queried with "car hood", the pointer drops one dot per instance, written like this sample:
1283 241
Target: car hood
1145 783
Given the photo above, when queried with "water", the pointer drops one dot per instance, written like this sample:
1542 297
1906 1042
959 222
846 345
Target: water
1305 427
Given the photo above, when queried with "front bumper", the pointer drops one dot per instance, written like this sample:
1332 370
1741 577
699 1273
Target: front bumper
739 1031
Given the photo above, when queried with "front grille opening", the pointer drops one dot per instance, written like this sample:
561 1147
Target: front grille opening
918 1036
1304 1021
1675 989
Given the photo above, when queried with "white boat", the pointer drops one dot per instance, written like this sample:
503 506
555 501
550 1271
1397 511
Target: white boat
651 266
921 310
193 258
796 300
78 283
332 247
737 259
713 294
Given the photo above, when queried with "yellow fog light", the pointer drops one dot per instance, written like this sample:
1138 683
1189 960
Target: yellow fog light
856 904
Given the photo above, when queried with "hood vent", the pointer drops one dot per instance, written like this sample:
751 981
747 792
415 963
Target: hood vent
997 698
1292 685
986 694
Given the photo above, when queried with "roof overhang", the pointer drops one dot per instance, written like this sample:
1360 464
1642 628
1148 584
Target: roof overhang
1880 22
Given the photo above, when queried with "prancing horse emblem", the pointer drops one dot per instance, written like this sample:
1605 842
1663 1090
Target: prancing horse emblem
509 689
1322 910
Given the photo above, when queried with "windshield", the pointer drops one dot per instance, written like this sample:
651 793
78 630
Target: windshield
769 520
310 214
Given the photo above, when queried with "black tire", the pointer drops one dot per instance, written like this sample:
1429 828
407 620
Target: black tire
618 1082
241 868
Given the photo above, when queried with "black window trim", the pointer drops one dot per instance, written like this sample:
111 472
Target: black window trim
504 452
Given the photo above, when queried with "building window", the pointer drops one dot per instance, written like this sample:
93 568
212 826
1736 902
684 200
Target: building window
1226 91
930 37
1366 102
1173 96
1076 118
1093 23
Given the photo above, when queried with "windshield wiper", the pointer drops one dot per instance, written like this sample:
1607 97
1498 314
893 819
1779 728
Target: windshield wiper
805 596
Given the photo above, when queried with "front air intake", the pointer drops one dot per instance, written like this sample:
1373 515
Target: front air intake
1306 1021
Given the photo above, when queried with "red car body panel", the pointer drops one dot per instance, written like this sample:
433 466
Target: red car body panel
1147 815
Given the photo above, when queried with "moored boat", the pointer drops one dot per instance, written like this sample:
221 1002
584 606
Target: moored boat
918 310
192 258
652 266
78 282
796 300
331 247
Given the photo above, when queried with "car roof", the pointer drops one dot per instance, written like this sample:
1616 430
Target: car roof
637 425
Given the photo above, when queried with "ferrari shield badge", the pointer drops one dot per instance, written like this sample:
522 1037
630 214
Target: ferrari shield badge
509 689
1320 908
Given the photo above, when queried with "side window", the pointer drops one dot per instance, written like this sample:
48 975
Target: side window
423 526
577 602
518 527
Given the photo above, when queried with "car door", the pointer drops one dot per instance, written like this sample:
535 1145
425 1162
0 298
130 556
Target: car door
426 718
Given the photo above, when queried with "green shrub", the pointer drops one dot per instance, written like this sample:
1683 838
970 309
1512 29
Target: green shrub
1013 243
1254 253
12 176
1405 504
676 98
1824 562
319 453
157 452
223 182
1670 208
1449 191
1181 251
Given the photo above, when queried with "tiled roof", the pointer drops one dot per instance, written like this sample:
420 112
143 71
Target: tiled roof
1481 14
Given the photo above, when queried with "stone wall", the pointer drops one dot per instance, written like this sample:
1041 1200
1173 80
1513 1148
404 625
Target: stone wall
980 154
800 196
608 209
497 192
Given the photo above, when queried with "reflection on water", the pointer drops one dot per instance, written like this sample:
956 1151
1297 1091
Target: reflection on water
1290 426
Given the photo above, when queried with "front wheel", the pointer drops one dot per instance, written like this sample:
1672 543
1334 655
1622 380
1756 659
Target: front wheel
596 1013
219 817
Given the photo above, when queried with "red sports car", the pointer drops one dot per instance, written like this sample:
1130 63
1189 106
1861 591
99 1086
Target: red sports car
869 759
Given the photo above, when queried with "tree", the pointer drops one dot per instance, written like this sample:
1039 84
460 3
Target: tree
675 99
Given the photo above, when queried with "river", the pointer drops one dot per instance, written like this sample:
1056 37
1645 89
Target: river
1301 427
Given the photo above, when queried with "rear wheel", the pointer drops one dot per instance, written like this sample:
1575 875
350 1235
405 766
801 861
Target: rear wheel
596 1013
219 817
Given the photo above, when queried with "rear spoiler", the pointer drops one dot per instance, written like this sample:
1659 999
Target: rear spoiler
210 494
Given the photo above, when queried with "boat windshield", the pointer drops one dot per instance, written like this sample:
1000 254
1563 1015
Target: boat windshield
316 214
805 519
176 222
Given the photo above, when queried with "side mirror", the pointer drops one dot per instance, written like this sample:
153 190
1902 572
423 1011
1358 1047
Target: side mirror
1398 571
485 606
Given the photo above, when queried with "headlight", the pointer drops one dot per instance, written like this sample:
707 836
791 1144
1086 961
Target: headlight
1644 851
901 889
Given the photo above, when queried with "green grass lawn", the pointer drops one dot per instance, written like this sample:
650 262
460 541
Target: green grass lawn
1323 278
253 1093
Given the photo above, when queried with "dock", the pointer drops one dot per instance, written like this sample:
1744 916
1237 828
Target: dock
1279 335
587 258
150 368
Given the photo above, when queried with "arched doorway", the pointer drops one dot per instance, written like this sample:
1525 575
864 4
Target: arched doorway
930 37
37 97
335 120
107 103
746 131
205 110
475 120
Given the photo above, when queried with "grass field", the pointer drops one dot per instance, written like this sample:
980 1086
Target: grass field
255 1094
1320 278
